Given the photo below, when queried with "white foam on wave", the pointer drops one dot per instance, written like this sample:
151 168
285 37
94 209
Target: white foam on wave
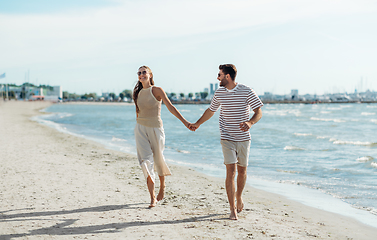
54 125
356 143
368 113
322 137
365 159
293 148
295 112
114 139
369 106
315 198
64 115
303 134
327 119
374 164
374 121
184 110
333 108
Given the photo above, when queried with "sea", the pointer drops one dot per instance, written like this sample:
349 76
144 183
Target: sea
321 155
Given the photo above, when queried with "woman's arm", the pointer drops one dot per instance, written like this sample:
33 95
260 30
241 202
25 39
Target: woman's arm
160 94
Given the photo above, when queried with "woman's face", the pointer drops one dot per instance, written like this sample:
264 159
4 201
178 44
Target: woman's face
143 75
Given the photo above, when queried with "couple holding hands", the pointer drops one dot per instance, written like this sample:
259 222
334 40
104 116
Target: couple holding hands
233 99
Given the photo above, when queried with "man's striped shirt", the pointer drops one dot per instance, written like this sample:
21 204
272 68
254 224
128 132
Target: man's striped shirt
235 109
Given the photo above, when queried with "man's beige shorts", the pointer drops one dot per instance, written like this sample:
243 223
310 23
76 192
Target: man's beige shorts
236 152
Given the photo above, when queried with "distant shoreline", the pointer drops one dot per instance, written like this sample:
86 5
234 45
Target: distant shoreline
208 102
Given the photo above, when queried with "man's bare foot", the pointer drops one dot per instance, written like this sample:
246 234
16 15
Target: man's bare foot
233 215
160 195
153 203
239 205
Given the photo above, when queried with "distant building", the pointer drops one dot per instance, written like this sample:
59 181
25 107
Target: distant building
294 94
55 93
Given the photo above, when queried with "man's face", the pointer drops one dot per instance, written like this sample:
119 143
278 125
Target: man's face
222 78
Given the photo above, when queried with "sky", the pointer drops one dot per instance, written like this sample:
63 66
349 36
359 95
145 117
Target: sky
314 46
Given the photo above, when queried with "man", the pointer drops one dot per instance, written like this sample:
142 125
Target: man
235 100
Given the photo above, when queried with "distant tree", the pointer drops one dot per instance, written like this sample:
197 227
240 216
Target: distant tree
112 95
127 93
93 95
190 95
173 94
203 95
121 95
182 95
73 96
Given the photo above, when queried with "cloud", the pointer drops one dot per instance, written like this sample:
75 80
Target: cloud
94 32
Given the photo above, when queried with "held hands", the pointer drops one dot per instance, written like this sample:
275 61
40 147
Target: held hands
193 126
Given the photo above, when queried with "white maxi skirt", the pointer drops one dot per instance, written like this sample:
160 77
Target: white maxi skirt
150 144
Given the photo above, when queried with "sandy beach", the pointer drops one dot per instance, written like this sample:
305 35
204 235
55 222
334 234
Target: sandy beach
58 186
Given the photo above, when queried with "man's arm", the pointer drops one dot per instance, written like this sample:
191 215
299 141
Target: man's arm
206 115
245 126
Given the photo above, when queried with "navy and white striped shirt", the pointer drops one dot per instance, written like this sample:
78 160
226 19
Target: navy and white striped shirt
235 109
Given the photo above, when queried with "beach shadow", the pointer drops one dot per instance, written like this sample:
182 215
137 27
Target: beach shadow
63 229
7 217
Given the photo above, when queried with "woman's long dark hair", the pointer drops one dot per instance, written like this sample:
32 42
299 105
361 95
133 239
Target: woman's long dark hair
139 86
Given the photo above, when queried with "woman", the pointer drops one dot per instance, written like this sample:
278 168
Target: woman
149 132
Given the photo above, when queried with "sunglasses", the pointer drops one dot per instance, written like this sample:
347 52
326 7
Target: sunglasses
143 72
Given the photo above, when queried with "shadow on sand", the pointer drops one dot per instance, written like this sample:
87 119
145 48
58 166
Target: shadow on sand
64 229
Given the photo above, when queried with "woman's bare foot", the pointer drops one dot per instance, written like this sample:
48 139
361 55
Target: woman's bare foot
233 215
153 203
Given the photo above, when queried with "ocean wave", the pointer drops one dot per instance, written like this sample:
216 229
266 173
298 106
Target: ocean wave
54 125
373 211
365 159
277 112
284 112
357 143
327 119
183 151
293 148
185 110
114 139
333 108
374 164
303 134
368 113
374 121
322 137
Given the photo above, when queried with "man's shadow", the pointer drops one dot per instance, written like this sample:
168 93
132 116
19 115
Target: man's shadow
64 229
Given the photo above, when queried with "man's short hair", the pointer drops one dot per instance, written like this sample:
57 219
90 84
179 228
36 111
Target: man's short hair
229 69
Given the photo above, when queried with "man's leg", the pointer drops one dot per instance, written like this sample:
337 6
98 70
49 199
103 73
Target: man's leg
230 189
150 184
241 181
160 195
